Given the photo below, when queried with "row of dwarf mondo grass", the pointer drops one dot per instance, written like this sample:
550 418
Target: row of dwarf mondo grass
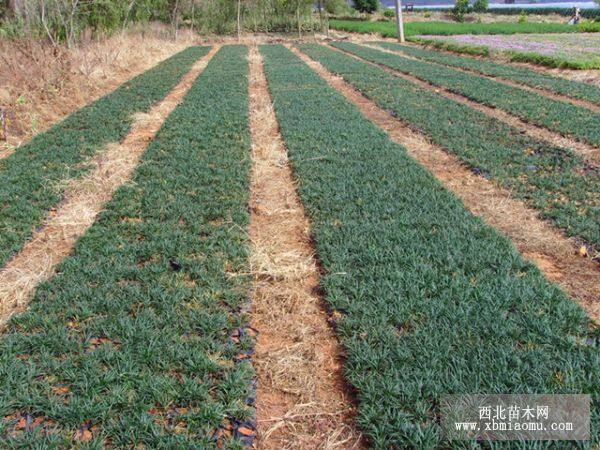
563 117
140 340
427 299
551 179
523 75
32 180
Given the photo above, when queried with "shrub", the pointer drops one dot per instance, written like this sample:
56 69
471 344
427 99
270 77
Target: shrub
338 8
366 6
427 14
461 7
389 13
481 5
523 17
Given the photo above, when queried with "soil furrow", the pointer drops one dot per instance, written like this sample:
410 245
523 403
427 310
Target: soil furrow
84 199
536 239
302 399
588 152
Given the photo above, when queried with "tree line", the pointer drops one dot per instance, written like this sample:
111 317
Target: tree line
66 20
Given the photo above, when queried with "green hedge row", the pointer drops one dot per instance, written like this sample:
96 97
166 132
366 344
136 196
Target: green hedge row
513 56
515 11
566 118
140 338
519 74
431 299
551 179
388 29
32 179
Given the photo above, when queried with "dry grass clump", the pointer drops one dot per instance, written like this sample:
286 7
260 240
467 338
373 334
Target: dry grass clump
302 401
41 84
84 199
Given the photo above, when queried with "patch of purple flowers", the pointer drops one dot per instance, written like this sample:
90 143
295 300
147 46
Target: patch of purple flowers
571 46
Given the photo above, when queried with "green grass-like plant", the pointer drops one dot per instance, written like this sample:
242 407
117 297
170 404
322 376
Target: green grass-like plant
139 339
388 29
552 61
551 179
32 180
430 300
519 74
514 56
566 118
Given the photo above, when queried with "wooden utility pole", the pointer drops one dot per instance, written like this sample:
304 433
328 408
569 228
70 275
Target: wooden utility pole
399 21
239 22
298 19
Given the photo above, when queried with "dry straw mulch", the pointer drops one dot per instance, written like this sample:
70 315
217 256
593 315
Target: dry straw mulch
302 401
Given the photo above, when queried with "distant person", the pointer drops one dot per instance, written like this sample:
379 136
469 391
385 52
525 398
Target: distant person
575 17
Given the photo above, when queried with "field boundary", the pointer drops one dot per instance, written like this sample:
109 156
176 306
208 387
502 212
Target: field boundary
587 151
553 253
84 199
302 399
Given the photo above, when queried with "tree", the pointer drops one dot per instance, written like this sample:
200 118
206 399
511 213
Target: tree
481 6
461 7
64 21
366 6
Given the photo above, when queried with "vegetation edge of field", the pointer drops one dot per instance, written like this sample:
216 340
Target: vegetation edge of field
513 56
388 29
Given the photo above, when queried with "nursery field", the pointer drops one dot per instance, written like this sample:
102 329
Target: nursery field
551 179
522 75
566 118
416 281
32 179
143 336
132 342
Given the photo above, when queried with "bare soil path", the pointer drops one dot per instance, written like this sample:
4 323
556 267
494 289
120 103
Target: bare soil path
302 400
